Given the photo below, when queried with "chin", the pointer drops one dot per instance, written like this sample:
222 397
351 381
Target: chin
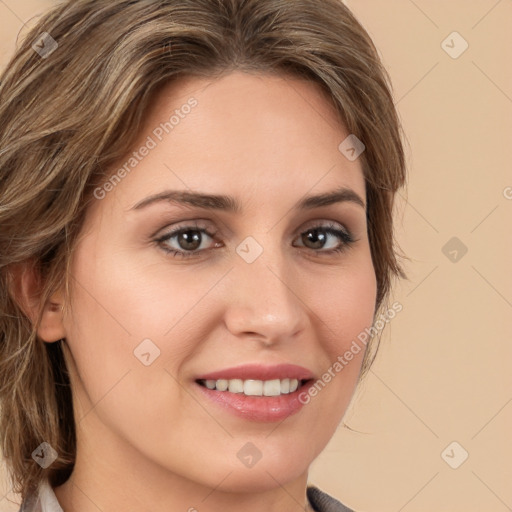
229 474
260 478
277 466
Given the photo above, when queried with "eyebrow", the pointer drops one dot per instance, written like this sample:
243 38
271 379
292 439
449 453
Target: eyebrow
231 204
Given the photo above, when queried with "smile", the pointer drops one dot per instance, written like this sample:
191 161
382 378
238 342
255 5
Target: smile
251 387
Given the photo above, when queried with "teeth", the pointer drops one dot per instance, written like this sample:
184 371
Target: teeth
251 387
236 386
272 387
222 384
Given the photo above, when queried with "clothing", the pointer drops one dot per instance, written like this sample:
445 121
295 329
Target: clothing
320 501
46 501
42 501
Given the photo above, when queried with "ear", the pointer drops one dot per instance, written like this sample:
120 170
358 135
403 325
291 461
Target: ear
26 287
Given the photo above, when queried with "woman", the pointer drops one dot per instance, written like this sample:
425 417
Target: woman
196 239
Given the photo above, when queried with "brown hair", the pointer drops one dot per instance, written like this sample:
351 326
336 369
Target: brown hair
66 116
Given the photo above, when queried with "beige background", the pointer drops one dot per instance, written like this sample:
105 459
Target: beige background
443 372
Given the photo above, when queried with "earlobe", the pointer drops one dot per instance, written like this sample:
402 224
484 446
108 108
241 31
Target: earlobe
26 288
51 327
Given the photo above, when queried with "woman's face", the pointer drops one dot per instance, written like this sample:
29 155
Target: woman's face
260 296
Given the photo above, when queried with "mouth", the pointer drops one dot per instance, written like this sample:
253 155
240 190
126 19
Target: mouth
253 387
256 392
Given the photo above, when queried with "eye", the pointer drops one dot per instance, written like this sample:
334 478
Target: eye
319 234
189 240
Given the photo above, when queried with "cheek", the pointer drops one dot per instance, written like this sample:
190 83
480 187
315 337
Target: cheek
121 297
118 302
347 305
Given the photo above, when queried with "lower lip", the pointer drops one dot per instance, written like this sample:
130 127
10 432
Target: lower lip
257 408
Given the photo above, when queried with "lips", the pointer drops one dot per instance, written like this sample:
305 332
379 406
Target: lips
260 372
256 392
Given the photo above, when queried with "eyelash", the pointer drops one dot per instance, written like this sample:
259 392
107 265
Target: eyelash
328 228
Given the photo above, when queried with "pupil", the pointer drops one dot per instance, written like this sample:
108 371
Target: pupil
313 236
191 240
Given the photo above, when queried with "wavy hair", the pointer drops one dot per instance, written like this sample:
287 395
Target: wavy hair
66 116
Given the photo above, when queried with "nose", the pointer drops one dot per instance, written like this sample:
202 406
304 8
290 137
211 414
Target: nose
265 300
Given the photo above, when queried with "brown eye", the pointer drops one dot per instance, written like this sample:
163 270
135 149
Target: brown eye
187 241
317 237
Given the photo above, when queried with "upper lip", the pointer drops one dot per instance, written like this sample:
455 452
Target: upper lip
260 372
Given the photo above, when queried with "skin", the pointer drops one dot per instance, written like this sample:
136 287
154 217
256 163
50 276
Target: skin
147 440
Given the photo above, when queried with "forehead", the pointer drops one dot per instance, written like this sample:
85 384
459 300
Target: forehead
241 132
238 103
